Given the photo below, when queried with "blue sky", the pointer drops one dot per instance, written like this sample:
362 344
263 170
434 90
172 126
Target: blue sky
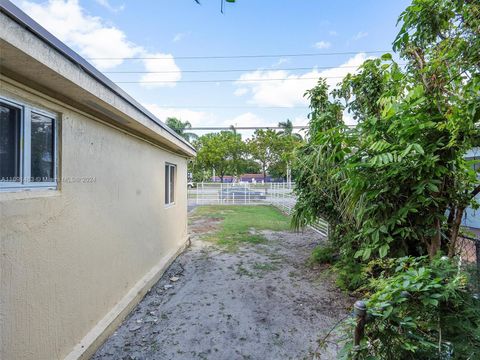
172 29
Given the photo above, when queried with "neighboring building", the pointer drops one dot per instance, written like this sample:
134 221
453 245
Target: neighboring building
258 178
471 217
226 179
255 178
93 201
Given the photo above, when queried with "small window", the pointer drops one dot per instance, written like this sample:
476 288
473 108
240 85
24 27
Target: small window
9 143
170 183
42 164
27 147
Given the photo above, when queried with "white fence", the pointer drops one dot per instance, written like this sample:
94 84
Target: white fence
279 195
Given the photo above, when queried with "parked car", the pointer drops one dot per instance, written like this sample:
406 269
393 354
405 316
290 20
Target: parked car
191 185
241 194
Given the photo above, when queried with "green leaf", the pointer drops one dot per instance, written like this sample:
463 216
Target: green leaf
386 57
418 148
366 254
383 250
432 187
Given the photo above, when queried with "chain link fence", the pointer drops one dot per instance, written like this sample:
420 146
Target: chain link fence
468 251
280 195
468 248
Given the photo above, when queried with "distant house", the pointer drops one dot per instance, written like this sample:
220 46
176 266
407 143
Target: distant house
255 178
93 202
226 179
471 217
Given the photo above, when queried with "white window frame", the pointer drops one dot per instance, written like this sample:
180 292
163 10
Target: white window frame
168 185
25 165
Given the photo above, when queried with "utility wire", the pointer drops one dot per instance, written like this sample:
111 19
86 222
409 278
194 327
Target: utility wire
209 128
240 56
232 70
226 80
230 107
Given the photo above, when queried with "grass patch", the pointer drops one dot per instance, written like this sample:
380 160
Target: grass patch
239 223
265 267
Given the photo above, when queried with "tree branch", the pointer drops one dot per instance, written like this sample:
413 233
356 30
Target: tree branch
475 191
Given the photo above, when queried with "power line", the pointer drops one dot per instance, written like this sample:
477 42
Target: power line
226 80
240 56
231 70
230 107
208 128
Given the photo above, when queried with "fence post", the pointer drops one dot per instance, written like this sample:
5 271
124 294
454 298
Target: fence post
196 201
477 260
360 309
274 194
271 194
245 196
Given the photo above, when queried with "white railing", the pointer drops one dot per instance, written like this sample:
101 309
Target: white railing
279 195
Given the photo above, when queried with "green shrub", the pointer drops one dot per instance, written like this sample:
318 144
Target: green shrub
323 254
350 275
419 310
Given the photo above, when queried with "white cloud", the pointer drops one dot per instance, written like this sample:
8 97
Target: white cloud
163 72
88 34
360 35
106 4
196 118
93 38
248 119
290 92
332 33
281 61
240 91
179 36
322 45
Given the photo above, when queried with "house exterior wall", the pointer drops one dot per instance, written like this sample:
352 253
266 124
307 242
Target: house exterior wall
76 258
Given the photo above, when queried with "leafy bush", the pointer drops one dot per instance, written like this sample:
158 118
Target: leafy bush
350 275
397 182
419 310
323 254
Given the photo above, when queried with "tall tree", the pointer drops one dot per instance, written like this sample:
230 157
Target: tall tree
287 129
415 126
180 128
220 151
264 147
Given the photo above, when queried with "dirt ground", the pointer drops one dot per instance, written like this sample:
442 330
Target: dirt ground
259 302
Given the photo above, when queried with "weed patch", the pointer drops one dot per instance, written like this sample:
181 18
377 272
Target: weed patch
240 224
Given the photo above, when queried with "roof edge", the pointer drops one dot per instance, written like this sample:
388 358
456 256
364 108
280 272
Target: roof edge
24 20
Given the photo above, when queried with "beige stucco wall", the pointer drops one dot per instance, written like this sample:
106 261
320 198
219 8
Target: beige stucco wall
68 256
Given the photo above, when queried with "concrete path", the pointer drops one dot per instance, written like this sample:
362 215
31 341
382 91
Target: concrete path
261 302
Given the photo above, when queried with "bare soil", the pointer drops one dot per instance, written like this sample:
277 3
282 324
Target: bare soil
260 302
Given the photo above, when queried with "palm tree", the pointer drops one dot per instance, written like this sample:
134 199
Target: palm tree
180 126
287 127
